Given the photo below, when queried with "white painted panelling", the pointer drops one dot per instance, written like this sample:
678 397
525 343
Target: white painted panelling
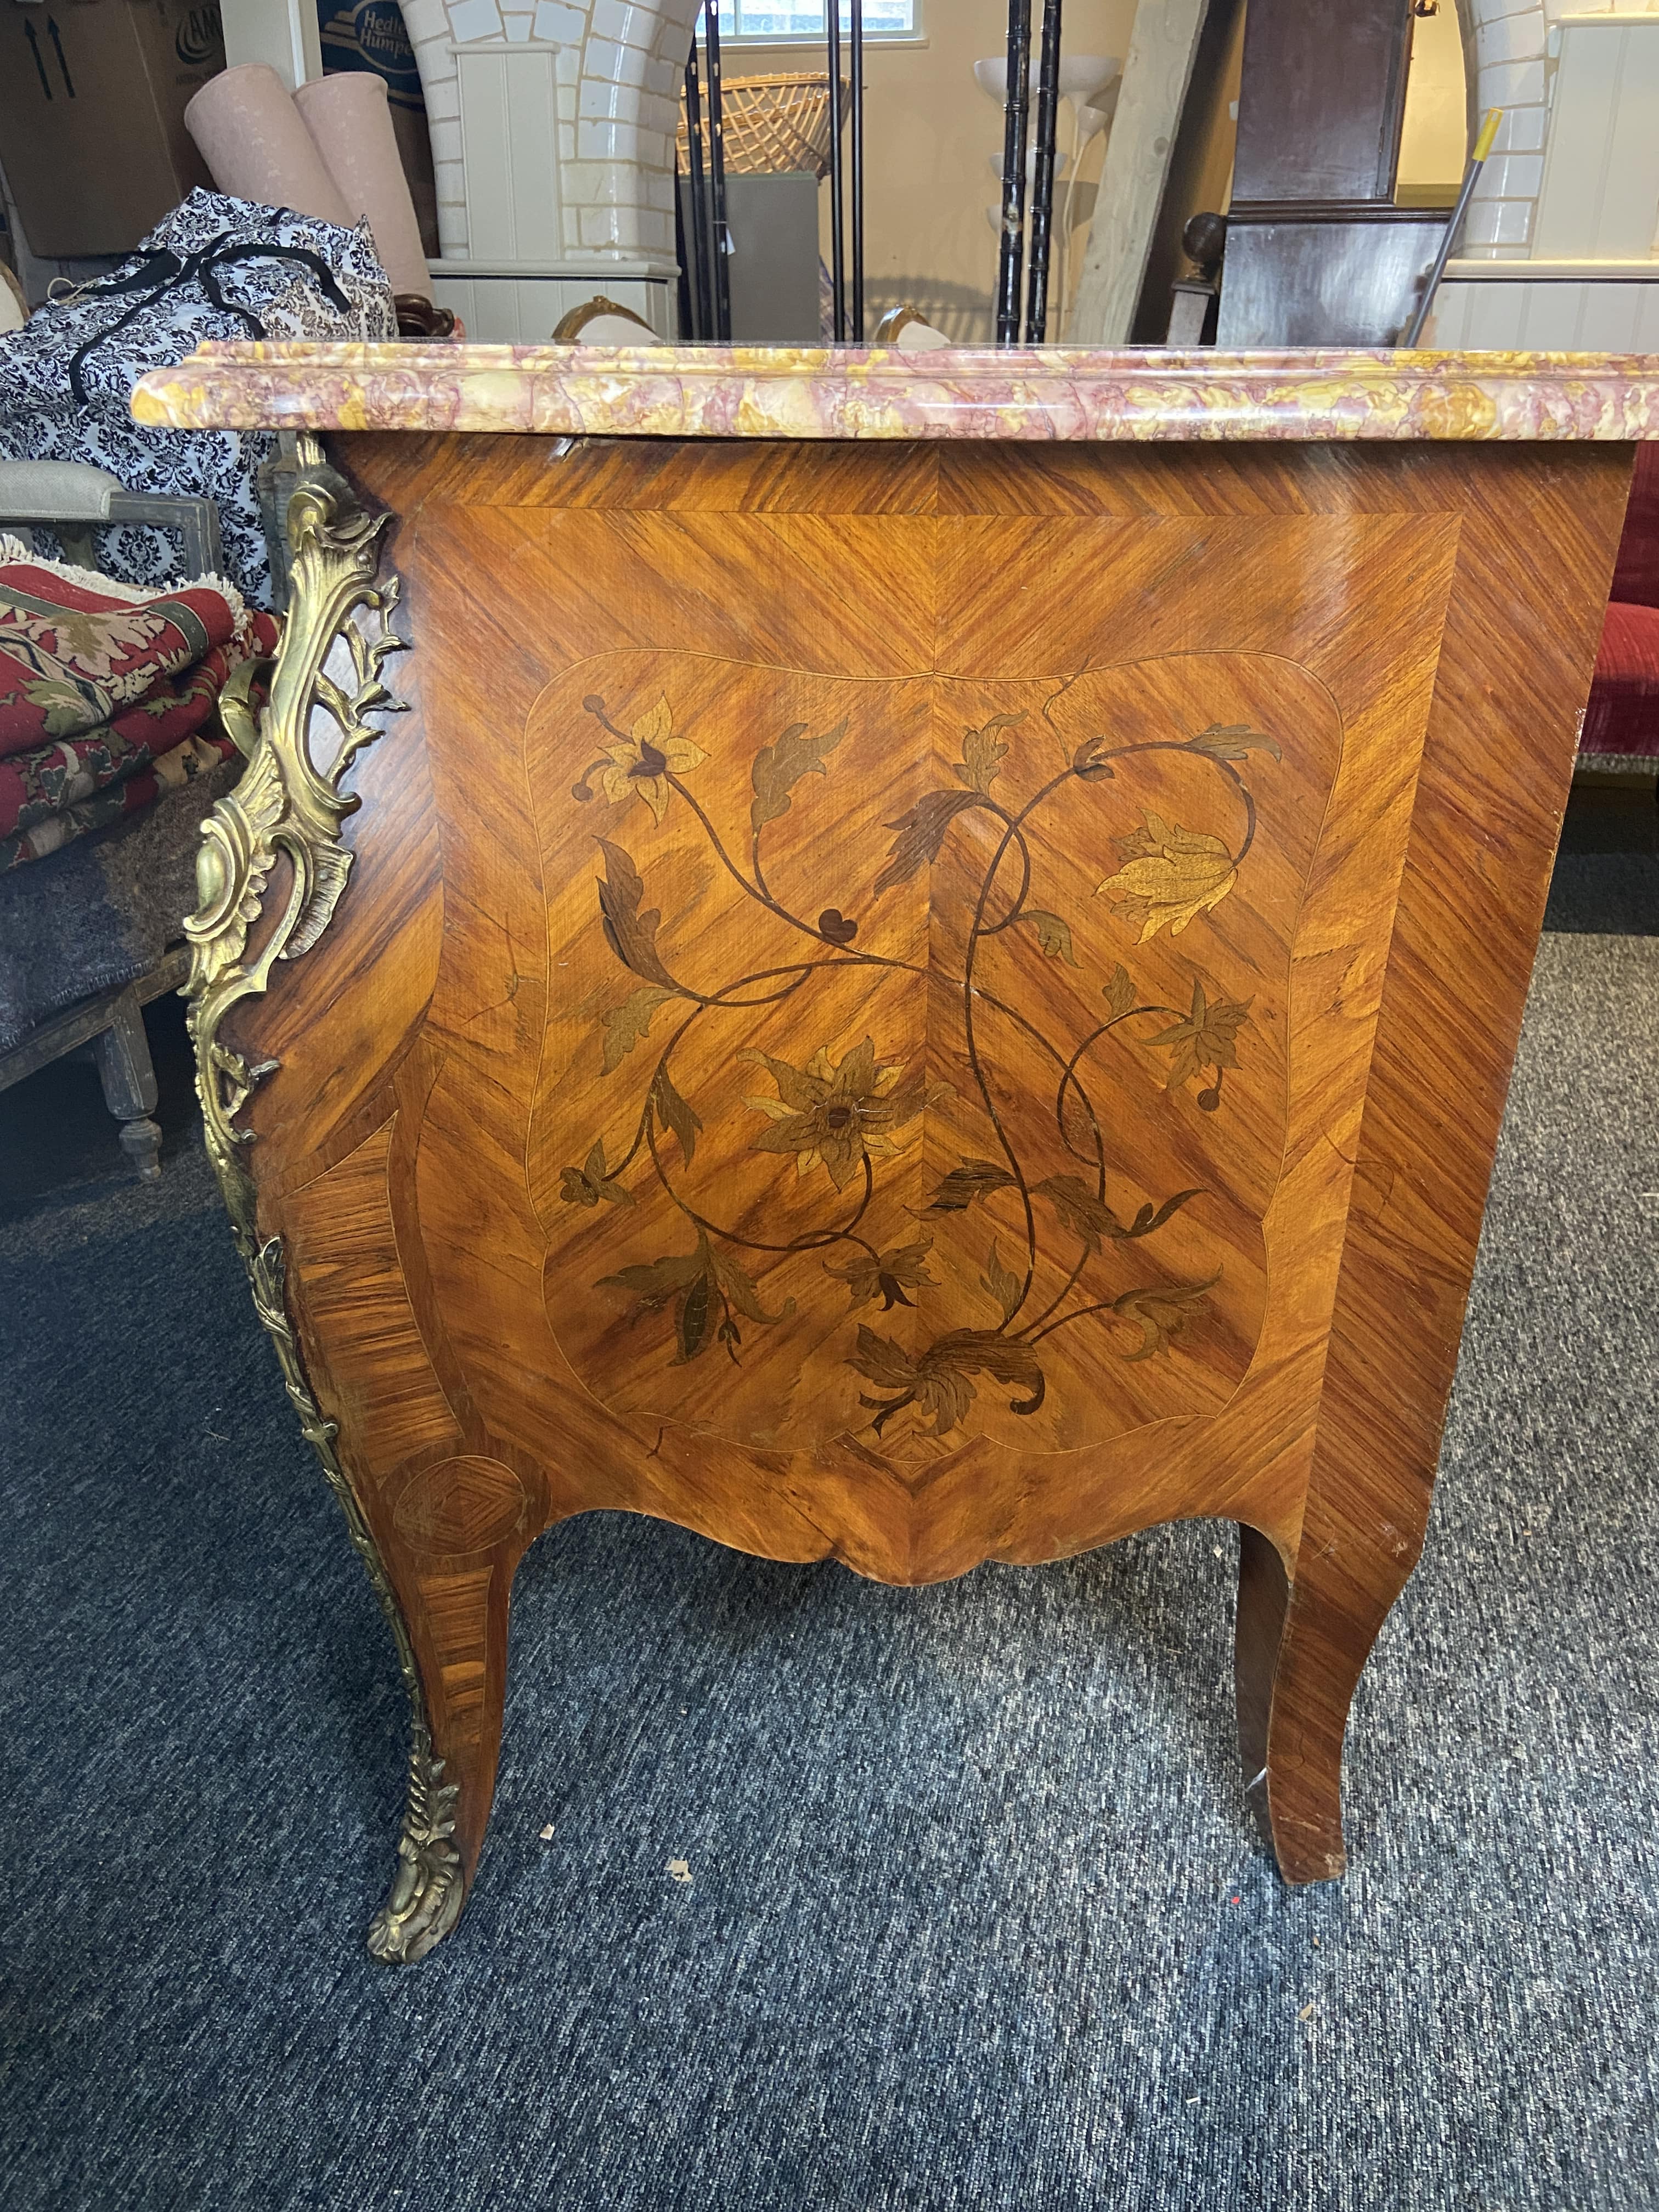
1497 317
1609 317
1601 193
533 127
1448 326
283 33
508 125
526 310
1550 317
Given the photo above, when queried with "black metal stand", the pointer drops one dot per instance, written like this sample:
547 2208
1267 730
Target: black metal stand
721 237
856 60
837 233
702 287
1043 184
686 319
1014 172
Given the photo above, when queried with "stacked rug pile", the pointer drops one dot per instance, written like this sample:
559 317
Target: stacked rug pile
108 695
109 723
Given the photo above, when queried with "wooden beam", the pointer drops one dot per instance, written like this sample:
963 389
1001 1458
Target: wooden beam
1137 152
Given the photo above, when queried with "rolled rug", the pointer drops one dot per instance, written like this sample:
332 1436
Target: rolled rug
252 136
351 123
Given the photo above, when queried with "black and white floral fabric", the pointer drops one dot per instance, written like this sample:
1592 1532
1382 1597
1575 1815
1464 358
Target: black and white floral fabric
215 268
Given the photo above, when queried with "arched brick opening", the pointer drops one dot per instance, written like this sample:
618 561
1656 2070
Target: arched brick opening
618 69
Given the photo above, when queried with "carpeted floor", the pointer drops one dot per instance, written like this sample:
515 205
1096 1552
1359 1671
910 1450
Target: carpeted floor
974 1917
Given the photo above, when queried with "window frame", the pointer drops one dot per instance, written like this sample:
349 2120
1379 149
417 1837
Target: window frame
793 41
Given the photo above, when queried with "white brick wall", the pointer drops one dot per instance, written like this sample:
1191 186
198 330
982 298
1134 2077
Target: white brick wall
618 70
1509 65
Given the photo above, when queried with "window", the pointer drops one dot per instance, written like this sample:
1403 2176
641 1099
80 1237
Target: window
801 22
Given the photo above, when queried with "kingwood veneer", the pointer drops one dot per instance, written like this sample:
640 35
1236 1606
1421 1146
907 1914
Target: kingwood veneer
930 979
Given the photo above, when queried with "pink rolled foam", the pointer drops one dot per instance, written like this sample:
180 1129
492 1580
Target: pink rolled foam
349 119
254 139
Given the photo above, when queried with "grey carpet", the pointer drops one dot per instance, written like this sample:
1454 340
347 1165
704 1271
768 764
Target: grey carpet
975 1919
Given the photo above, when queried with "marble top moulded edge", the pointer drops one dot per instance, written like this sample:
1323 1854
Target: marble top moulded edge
1040 394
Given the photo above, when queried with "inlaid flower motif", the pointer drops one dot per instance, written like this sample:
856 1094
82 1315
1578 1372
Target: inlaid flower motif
836 1115
641 762
1170 874
886 1275
1209 1038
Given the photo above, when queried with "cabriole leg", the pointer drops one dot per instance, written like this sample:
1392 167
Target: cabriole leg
1300 1648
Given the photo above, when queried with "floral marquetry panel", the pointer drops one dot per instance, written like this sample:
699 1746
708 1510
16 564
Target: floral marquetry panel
906 1003
920 1065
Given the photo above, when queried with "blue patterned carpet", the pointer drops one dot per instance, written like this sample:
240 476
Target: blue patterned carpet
974 1917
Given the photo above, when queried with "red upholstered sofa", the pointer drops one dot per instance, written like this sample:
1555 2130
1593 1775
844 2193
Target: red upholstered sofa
1622 714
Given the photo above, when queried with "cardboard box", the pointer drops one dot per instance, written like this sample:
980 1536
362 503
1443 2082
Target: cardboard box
92 103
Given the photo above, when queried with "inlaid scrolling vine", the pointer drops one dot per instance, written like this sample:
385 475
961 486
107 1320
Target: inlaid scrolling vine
845 1117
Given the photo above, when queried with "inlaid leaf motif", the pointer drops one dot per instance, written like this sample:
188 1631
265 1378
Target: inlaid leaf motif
674 1112
779 766
624 1025
701 1285
653 1283
1053 934
1209 1038
1149 1217
1170 875
940 1392
921 832
1119 992
937 1383
589 1184
741 1292
885 1275
1161 1313
987 1351
1233 741
692 1317
1079 1209
1088 1216
946 1393
972 1179
885 1364
983 752
631 935
1004 1286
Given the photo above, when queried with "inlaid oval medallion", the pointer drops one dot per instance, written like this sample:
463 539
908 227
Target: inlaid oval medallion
460 1506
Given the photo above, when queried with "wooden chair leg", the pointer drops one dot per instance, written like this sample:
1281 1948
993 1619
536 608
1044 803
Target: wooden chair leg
1300 1646
121 1055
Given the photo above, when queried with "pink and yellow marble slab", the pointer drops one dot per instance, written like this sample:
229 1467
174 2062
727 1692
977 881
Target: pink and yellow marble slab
1039 394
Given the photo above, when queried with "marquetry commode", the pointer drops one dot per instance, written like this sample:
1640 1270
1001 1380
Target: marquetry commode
928 972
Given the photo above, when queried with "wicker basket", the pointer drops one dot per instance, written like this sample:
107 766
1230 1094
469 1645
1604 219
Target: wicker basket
770 124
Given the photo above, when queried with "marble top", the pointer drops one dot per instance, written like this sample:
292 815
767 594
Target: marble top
1038 394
